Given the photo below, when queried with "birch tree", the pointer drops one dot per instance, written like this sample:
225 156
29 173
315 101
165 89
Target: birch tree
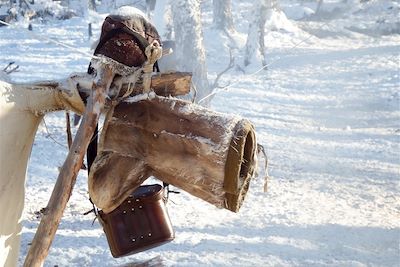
255 38
222 15
92 5
189 52
319 5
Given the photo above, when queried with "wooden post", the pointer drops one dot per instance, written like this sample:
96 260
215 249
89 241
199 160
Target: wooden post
69 171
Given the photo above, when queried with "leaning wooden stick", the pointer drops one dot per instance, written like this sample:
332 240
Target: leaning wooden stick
69 171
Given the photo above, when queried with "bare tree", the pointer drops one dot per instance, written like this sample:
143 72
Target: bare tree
189 52
92 5
150 6
222 12
169 27
256 35
319 5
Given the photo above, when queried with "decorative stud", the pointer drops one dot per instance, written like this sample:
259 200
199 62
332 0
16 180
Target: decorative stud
129 201
132 209
133 239
141 237
149 234
124 212
140 207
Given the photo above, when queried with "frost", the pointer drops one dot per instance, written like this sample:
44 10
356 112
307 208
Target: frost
97 108
145 96
130 12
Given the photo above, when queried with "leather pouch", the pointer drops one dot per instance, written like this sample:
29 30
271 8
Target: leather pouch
140 223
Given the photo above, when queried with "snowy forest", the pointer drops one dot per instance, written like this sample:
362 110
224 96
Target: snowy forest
318 79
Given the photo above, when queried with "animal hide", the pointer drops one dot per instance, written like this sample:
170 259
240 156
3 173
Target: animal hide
22 107
117 42
208 154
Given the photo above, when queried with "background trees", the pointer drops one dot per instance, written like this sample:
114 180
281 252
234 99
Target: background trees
182 27
222 15
190 52
256 34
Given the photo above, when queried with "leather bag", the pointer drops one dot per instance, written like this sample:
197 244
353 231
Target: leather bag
140 223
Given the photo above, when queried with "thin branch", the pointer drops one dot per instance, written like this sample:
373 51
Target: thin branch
230 66
9 69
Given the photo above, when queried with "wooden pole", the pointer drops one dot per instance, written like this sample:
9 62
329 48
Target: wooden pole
168 84
69 171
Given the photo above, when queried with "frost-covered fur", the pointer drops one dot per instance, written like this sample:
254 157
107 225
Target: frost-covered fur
176 141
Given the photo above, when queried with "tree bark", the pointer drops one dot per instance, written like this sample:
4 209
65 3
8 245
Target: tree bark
222 15
319 5
66 179
173 84
190 52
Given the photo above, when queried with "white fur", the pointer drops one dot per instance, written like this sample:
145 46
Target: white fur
22 107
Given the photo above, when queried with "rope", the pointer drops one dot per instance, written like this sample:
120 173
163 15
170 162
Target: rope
58 143
218 90
42 38
50 136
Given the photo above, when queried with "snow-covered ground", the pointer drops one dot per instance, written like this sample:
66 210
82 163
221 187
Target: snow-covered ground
327 110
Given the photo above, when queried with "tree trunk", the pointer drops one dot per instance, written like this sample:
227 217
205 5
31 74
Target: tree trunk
319 5
190 53
92 5
150 6
222 13
256 35
169 27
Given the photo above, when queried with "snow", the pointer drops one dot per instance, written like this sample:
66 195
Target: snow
327 111
140 97
129 11
4 77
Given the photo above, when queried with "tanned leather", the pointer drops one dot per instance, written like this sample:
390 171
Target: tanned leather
140 223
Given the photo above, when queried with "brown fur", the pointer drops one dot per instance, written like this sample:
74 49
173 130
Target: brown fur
178 142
